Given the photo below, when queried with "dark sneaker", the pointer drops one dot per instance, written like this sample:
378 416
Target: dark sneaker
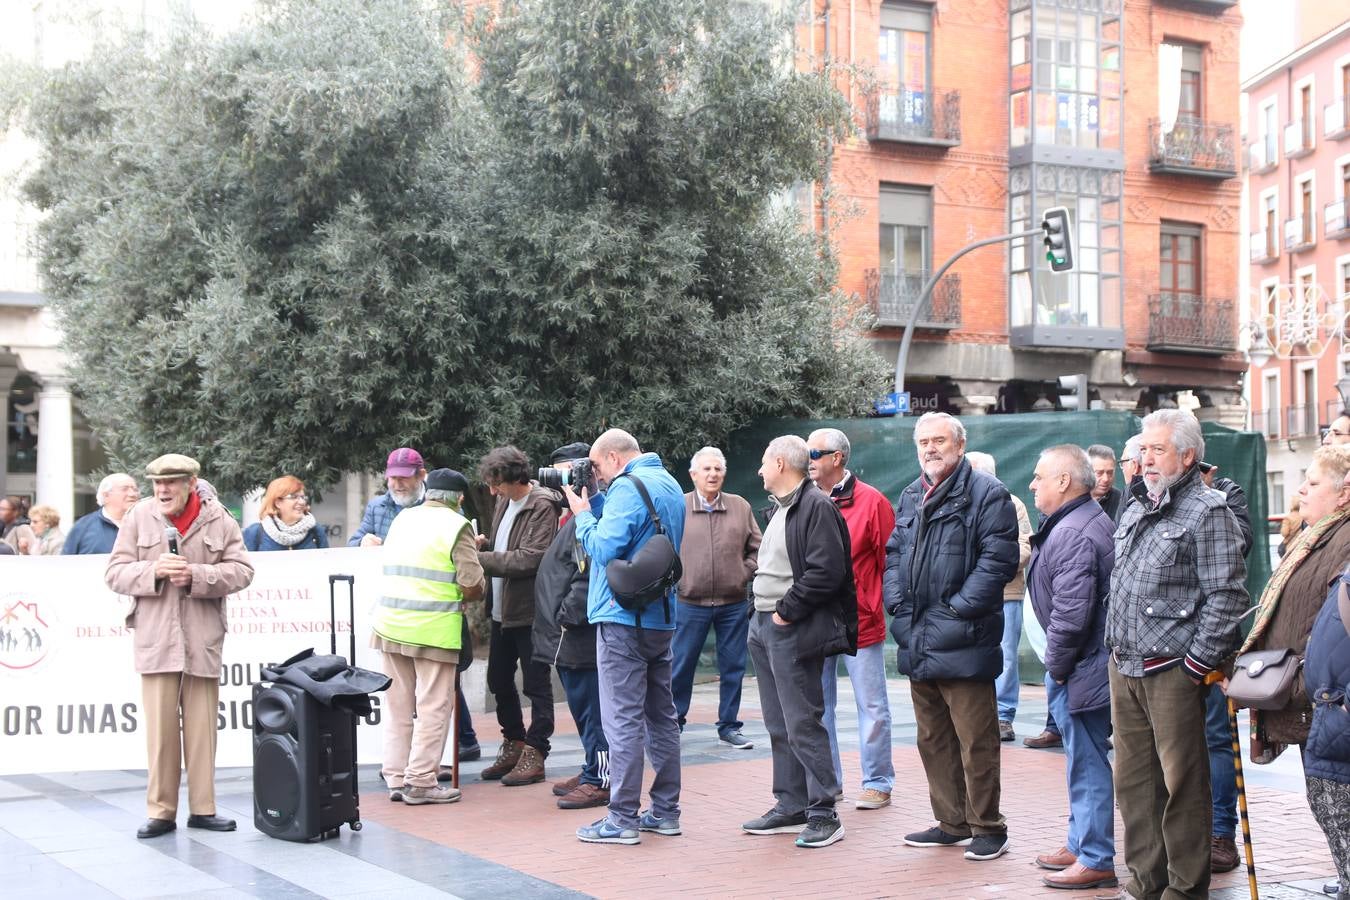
1332 887
1005 731
1223 854
734 739
648 821
529 769
774 822
605 832
584 796
470 752
936 837
987 846
821 831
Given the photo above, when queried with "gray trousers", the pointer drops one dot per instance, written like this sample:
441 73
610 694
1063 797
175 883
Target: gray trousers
637 711
792 701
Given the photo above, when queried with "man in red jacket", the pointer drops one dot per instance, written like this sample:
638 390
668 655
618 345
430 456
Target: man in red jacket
870 520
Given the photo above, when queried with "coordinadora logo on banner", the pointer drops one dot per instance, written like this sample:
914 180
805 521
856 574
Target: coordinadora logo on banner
70 698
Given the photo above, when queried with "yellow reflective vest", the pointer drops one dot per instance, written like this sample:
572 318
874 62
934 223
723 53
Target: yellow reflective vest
420 602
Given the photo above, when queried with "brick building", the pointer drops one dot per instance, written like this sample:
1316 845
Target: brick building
1298 185
984 113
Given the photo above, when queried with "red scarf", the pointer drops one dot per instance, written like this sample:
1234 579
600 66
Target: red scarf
183 521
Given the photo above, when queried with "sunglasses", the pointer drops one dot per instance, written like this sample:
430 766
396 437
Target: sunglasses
817 454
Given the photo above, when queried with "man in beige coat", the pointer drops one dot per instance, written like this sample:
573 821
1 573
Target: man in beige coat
178 556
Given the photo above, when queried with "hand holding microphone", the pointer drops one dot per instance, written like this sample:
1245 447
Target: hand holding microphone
170 565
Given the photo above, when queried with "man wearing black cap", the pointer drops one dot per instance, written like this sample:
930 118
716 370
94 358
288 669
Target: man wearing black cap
430 570
564 638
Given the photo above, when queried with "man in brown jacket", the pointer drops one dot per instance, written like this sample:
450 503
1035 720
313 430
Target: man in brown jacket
719 553
523 525
178 556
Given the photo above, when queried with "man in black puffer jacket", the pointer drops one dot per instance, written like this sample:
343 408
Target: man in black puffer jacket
953 550
562 637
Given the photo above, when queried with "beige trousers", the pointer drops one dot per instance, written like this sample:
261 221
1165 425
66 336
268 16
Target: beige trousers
413 746
165 695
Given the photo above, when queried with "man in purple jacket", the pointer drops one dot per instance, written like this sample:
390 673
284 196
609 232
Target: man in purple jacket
1069 580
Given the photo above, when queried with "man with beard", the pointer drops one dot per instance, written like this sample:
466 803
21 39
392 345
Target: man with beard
1177 594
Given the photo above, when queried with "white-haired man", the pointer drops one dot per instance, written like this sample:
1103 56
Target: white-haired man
870 520
953 551
1177 594
721 544
96 532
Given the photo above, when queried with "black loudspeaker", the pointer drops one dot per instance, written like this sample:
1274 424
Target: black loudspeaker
304 765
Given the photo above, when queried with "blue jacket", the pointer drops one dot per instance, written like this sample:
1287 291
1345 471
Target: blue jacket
1326 672
256 539
380 514
947 563
91 533
1069 582
622 529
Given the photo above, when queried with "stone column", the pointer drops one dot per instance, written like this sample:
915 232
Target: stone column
56 448
7 376
974 405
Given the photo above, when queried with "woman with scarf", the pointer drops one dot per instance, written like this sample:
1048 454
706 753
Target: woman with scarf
285 522
1296 591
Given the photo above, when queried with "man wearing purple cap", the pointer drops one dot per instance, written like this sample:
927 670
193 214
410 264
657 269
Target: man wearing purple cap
405 474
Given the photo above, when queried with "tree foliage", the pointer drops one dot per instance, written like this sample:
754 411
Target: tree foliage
351 226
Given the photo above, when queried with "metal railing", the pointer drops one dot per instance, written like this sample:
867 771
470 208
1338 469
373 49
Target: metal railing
1336 220
1298 139
906 116
1189 323
1301 420
1300 233
1192 147
1336 119
1264 247
1263 155
892 297
1267 421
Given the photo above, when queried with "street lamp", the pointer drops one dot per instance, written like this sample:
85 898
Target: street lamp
1260 351
1343 388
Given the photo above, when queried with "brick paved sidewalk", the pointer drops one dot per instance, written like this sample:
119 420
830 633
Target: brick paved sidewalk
73 836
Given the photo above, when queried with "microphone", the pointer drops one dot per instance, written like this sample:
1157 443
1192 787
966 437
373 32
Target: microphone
171 534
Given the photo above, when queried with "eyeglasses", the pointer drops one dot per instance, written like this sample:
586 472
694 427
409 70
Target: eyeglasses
817 454
1333 432
301 497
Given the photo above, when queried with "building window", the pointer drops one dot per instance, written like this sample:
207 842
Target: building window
906 218
904 58
1270 396
1065 79
1089 296
1270 224
1179 261
1305 114
1275 491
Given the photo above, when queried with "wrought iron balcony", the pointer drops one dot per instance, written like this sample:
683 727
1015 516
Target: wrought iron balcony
1267 421
1302 421
1300 233
892 297
1263 156
1264 247
1336 219
1192 147
931 118
1298 139
1336 119
1187 323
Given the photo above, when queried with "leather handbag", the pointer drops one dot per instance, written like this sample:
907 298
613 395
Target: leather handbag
1264 679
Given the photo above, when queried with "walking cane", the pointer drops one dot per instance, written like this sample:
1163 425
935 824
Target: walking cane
1242 802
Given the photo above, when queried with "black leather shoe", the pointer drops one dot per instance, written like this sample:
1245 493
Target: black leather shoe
156 827
211 823
470 752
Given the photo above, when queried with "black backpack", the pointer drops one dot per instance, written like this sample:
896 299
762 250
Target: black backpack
652 573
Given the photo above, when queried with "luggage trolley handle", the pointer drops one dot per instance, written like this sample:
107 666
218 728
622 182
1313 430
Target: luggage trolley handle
351 609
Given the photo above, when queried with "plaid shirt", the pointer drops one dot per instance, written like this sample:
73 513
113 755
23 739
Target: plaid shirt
1179 586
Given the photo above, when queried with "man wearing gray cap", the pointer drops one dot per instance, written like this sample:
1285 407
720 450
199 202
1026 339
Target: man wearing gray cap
178 555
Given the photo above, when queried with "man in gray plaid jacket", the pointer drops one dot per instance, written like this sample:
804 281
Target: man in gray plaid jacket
1177 594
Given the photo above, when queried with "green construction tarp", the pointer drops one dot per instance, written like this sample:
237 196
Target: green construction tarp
884 456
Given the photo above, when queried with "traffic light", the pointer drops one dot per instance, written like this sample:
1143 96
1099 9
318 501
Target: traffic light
1058 239
1073 392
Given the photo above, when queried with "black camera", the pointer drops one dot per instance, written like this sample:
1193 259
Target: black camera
581 475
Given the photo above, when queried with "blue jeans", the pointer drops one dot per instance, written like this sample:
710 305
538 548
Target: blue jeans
1222 774
731 625
582 687
638 714
1006 685
867 671
1092 824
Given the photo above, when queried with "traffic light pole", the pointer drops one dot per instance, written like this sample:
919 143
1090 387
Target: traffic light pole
928 286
